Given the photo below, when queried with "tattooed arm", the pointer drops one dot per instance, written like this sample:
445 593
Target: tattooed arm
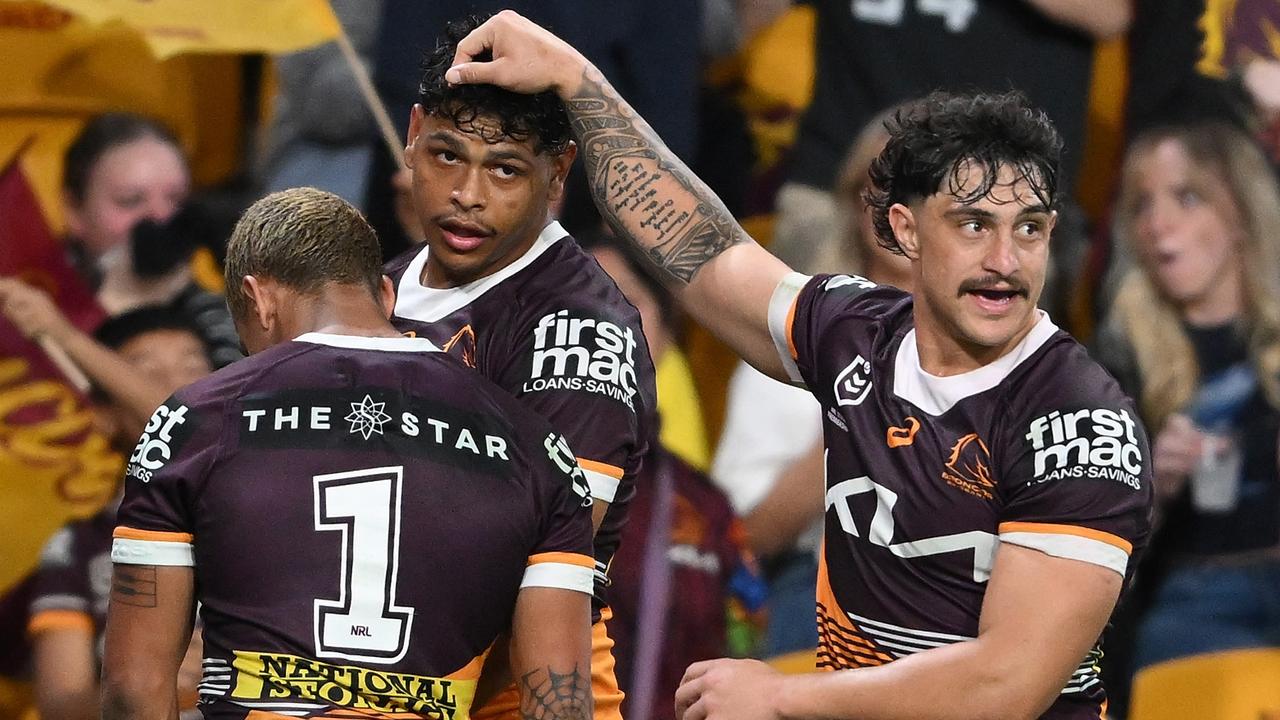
551 654
148 629
649 197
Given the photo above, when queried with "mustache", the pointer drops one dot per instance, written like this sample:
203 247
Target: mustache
452 219
997 282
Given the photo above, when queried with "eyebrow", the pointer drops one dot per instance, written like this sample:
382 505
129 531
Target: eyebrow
490 156
979 213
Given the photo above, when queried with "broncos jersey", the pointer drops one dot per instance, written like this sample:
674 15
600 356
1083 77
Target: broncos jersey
552 329
928 476
360 514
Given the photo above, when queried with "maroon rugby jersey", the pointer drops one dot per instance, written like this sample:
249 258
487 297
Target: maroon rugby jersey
361 514
552 329
73 581
927 476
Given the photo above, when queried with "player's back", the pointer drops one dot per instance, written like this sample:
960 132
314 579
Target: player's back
363 514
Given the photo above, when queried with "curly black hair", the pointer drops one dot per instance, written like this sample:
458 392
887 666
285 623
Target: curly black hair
518 117
944 136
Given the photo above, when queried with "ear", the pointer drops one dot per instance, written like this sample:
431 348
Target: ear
560 166
387 294
415 126
903 222
262 304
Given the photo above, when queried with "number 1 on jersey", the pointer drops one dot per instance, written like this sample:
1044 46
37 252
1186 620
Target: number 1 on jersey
364 623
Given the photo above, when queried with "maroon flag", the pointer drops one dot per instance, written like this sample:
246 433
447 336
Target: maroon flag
29 251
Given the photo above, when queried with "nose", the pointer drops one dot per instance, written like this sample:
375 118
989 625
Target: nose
1160 219
469 192
1001 256
160 208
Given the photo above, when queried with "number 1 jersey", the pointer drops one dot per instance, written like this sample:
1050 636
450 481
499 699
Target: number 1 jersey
360 514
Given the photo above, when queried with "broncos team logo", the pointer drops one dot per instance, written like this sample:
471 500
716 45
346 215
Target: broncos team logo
969 467
463 346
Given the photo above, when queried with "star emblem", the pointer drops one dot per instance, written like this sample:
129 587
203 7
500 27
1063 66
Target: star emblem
366 417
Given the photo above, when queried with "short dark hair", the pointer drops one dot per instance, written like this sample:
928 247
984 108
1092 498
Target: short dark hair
100 135
932 140
117 330
304 238
541 117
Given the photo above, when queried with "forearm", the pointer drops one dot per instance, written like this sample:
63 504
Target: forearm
1100 18
652 200
793 503
113 374
956 682
134 701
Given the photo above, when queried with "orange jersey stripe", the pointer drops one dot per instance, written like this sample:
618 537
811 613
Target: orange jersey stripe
60 620
1056 529
791 321
602 468
563 557
129 533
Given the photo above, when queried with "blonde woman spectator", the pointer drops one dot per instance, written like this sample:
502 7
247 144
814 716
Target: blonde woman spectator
1194 336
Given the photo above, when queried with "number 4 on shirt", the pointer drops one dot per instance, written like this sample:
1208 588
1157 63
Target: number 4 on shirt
955 13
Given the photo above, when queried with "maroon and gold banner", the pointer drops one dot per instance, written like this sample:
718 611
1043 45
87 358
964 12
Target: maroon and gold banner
54 465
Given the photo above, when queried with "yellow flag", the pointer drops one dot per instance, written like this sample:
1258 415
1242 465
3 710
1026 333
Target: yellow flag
171 27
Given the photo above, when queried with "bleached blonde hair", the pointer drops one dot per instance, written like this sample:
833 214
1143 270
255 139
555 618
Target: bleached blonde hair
1233 175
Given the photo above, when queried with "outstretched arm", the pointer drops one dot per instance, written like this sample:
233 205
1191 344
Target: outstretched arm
551 653
650 198
1039 619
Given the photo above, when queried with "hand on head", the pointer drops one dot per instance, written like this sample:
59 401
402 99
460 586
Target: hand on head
524 57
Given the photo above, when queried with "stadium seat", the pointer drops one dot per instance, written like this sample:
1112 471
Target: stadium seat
794 663
1228 685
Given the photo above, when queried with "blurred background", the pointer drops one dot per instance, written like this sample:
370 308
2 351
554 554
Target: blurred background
132 133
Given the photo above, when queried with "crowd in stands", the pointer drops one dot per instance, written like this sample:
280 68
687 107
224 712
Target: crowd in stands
1173 283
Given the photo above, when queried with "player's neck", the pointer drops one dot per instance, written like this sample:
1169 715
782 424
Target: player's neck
339 310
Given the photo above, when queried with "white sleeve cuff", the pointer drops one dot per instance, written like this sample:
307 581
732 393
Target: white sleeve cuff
781 309
1072 547
127 551
559 575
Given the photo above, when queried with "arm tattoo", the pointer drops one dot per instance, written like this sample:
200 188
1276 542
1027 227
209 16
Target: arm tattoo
134 585
643 190
551 695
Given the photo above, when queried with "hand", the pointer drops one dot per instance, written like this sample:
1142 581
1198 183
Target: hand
728 690
1176 454
1262 79
32 311
527 58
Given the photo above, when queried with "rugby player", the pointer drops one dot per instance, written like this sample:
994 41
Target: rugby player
359 515
987 484
504 288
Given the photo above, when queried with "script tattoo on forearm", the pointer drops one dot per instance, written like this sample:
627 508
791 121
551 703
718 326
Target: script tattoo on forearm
549 695
134 585
645 193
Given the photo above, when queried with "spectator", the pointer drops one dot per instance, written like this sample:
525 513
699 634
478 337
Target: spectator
769 460
121 171
1041 47
1194 335
73 581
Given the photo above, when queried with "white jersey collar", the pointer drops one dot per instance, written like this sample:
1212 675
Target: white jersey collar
415 301
936 395
362 342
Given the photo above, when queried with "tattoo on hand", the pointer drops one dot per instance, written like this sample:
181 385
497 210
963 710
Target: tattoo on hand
549 695
645 193
134 585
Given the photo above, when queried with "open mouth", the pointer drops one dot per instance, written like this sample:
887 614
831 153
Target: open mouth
996 300
463 236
